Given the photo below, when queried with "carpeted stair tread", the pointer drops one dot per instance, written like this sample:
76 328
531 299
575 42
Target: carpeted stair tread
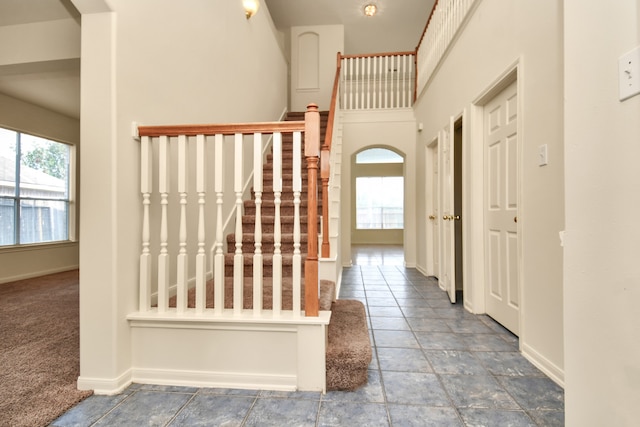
349 347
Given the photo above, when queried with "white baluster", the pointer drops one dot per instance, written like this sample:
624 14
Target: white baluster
183 260
277 237
386 82
257 257
297 188
238 259
358 88
201 259
163 258
398 88
218 278
351 84
368 82
146 187
404 81
343 86
375 81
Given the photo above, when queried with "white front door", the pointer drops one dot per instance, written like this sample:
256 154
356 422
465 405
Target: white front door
448 226
502 294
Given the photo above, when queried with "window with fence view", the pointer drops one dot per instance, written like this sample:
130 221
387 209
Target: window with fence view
34 189
379 190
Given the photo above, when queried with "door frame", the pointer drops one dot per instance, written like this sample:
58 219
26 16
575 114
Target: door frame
432 201
476 194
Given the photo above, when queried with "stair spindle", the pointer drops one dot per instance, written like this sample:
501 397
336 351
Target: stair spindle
183 259
163 257
297 189
146 186
238 259
201 259
312 153
277 233
218 273
257 257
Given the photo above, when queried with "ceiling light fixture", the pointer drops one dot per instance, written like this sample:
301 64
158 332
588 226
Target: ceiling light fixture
370 9
250 7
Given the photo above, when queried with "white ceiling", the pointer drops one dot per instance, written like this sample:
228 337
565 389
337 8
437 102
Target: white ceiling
396 27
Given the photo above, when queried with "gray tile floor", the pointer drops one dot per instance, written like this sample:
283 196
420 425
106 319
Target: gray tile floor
434 364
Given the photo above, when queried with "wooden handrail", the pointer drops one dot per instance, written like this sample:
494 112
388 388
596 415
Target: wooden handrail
371 55
224 129
424 31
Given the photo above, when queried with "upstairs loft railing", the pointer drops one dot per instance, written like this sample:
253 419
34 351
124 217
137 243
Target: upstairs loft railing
180 139
446 19
377 81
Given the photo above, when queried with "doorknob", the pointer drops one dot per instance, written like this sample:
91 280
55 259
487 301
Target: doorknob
445 217
457 217
515 219
432 217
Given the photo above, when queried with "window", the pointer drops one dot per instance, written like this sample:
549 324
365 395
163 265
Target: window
379 202
34 189
379 190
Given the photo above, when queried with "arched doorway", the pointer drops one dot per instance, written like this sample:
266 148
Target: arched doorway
378 201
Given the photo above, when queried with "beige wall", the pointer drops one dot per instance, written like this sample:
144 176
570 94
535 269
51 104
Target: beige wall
498 35
36 260
602 249
153 62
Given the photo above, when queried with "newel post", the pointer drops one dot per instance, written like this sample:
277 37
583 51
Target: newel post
312 153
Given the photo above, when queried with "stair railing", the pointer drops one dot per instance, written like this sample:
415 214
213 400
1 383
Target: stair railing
377 81
446 19
325 167
180 139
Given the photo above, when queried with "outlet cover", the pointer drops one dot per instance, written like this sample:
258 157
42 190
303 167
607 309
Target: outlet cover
629 74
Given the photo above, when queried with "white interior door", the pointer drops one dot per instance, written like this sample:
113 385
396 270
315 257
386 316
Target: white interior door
448 226
502 294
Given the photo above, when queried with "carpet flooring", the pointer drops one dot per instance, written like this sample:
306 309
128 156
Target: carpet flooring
39 349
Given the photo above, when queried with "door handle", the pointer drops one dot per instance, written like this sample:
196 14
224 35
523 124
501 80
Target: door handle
445 217
457 217
432 217
515 219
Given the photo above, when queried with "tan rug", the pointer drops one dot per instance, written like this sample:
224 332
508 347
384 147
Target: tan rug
39 349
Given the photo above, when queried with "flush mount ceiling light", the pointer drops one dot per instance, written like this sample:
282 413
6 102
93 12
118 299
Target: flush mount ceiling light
370 9
250 7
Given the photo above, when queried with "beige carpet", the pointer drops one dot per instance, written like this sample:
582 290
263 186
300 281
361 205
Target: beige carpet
39 349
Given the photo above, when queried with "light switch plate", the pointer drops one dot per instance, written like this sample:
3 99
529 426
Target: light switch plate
629 74
543 155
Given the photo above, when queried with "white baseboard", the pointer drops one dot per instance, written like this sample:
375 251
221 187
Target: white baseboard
545 365
214 379
39 273
106 386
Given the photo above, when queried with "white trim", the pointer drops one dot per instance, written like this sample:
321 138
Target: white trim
545 365
214 379
40 273
106 386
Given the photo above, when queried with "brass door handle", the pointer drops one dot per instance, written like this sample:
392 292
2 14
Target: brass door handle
432 217
515 219
445 217
457 217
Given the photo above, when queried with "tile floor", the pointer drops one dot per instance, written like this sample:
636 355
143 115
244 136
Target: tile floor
434 364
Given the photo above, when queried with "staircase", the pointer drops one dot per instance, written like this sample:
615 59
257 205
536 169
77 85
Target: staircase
348 347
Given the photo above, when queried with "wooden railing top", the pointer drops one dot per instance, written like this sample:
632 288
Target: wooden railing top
371 55
224 129
433 9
